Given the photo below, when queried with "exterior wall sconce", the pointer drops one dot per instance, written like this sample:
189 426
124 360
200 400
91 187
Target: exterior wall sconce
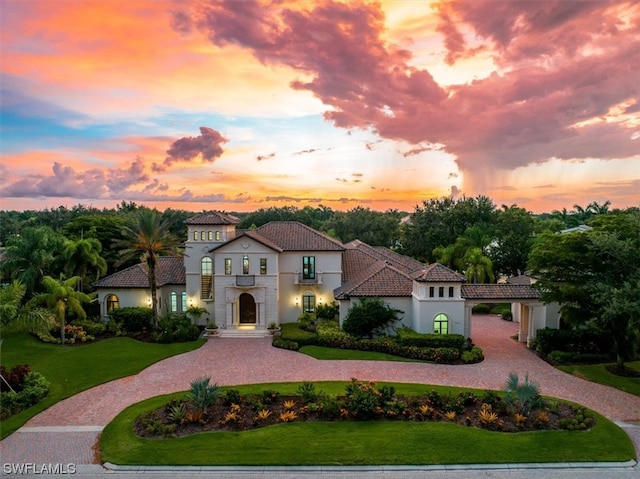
297 301
320 300
149 302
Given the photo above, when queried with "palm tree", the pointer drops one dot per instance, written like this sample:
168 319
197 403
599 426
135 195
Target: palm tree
478 267
61 296
148 236
14 316
31 255
80 255
599 209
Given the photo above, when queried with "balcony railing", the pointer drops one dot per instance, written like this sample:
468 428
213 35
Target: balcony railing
245 280
300 279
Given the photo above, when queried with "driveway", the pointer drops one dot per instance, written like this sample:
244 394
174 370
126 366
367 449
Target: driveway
68 431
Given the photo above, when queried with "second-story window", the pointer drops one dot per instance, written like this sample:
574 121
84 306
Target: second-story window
308 267
263 265
217 235
210 235
206 278
227 266
245 264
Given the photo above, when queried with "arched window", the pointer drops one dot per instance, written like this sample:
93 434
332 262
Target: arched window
174 302
441 324
184 301
206 278
112 303
308 302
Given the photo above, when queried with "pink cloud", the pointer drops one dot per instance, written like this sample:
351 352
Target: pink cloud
207 145
562 63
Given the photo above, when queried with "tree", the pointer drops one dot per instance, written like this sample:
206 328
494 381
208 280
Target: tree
82 254
477 267
372 227
514 234
14 316
370 317
59 297
594 277
439 222
31 255
148 237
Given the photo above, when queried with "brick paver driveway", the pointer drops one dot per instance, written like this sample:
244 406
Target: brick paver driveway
243 361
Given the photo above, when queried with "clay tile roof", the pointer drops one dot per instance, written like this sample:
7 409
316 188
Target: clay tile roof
499 291
169 270
294 236
521 279
253 235
360 256
213 218
380 279
438 273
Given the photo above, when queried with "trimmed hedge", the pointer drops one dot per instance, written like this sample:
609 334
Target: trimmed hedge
133 320
297 333
579 341
329 334
564 357
409 337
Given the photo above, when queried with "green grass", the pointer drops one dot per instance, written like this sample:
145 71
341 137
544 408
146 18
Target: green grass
321 352
71 369
598 374
358 443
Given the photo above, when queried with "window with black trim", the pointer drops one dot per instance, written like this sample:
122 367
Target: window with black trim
263 265
451 291
206 278
441 324
441 292
245 264
432 291
308 267
308 302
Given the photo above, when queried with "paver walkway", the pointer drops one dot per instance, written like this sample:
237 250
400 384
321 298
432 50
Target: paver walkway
245 361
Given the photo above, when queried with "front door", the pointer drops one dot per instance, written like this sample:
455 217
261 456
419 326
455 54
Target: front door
247 309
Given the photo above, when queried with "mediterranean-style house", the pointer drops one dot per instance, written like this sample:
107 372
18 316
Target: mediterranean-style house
249 279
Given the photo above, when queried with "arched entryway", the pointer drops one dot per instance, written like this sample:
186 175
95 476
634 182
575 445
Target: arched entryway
247 309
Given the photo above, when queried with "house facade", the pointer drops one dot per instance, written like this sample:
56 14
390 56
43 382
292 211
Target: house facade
249 279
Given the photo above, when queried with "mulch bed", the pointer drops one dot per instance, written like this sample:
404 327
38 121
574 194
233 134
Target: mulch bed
244 416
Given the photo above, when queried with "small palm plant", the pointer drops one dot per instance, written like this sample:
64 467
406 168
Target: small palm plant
203 394
521 397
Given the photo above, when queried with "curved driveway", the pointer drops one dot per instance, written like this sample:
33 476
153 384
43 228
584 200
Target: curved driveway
243 361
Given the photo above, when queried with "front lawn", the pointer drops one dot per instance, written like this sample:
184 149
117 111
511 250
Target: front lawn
71 369
358 442
598 374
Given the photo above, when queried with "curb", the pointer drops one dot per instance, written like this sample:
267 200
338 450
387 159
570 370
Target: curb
630 464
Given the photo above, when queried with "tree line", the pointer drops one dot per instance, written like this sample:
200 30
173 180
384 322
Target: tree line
53 256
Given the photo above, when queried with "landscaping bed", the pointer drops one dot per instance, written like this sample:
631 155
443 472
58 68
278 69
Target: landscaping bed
362 401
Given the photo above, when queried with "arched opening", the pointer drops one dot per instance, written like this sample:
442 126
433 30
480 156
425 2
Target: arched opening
112 303
247 309
441 324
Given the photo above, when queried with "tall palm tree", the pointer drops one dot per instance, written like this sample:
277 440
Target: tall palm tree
478 267
148 236
59 297
82 254
14 316
599 209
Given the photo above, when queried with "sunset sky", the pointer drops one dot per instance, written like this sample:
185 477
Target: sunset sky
239 105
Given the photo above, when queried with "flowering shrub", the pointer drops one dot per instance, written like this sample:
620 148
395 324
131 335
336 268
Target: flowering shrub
32 388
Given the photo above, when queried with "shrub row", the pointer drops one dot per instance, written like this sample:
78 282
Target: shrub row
579 341
564 357
133 320
409 337
176 328
33 388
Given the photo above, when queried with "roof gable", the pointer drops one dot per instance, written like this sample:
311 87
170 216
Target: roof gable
295 236
252 235
437 273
